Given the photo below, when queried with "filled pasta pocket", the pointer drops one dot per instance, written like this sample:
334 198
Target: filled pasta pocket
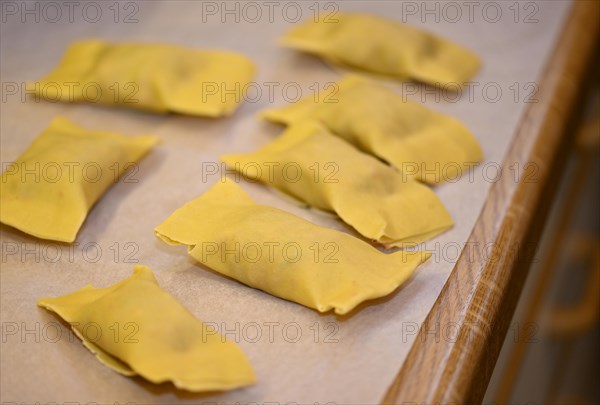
282 254
326 172
416 140
48 191
165 342
155 77
382 46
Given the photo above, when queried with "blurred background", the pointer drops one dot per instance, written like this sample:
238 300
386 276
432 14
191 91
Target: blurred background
551 353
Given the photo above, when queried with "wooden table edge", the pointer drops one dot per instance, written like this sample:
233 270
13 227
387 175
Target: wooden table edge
480 296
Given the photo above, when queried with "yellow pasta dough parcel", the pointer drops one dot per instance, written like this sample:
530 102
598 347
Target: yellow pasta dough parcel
48 191
414 139
309 163
282 254
156 77
382 46
164 341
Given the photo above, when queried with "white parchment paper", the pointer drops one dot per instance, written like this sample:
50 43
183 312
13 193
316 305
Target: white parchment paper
299 356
